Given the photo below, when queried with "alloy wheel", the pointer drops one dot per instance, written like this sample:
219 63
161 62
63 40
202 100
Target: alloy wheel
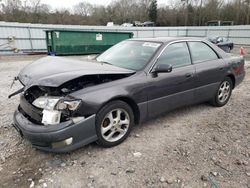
115 125
224 91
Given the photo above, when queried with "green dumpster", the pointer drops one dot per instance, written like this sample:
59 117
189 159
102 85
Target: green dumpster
73 42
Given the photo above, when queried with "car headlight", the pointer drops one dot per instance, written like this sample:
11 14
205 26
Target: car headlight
68 104
56 103
47 103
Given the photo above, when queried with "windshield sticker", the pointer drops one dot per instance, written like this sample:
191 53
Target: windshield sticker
151 44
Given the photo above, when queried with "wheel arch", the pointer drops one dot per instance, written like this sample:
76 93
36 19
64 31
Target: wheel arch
232 77
130 102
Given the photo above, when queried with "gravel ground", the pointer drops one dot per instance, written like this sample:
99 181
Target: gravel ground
197 146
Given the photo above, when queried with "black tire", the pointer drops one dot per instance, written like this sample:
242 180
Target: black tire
101 117
228 49
216 101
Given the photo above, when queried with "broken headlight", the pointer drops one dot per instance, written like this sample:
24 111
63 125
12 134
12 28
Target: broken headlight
68 104
56 103
47 103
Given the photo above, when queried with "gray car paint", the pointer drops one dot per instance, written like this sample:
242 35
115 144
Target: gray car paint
157 94
54 71
83 132
148 94
167 91
170 90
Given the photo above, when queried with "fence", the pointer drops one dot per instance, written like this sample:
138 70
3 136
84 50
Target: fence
28 38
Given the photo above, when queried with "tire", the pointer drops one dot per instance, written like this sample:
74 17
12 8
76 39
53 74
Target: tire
228 49
223 93
111 128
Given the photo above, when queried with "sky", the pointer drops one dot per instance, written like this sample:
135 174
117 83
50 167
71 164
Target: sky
69 3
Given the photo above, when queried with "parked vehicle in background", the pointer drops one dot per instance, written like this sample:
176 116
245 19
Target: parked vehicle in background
223 43
148 24
110 24
127 25
219 23
66 104
137 24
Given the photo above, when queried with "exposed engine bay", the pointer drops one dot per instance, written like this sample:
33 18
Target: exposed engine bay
54 105
71 86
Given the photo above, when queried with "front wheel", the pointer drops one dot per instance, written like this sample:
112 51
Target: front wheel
223 93
113 123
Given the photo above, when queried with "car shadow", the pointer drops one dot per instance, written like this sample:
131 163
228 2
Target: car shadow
138 127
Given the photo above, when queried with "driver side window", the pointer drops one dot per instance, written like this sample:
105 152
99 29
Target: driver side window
176 54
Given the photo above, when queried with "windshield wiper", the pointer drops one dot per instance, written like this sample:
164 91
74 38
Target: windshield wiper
106 62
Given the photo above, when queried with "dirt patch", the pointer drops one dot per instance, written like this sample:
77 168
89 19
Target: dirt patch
197 146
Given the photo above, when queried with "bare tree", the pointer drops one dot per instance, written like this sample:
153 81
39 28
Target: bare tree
9 6
83 9
247 2
198 12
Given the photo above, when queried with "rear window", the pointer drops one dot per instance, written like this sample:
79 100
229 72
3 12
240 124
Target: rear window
201 52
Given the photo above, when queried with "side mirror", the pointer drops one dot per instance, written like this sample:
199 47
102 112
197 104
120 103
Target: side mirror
163 68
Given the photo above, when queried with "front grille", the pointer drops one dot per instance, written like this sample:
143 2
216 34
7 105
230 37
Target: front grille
28 117
29 111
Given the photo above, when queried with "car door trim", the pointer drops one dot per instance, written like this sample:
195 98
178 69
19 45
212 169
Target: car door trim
153 64
181 92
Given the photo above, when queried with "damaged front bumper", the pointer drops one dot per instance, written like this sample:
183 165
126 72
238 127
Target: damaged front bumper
63 137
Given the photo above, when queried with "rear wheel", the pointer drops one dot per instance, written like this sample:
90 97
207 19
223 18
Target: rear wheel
228 49
113 123
223 93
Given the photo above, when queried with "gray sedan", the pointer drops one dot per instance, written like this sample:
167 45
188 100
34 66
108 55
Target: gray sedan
65 104
222 43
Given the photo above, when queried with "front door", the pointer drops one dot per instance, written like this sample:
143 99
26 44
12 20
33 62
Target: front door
174 89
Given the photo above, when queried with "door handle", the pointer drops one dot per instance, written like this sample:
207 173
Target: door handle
189 75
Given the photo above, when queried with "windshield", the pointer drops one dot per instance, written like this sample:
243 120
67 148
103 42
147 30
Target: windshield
130 54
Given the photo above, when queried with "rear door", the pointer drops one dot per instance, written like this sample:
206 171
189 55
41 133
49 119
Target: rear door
171 90
210 70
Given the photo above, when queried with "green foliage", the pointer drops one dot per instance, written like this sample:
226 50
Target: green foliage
152 13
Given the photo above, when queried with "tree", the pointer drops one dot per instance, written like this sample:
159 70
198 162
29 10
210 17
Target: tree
1 5
152 14
248 11
175 13
38 11
12 10
83 9
11 6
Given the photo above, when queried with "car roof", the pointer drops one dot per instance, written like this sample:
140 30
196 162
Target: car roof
167 39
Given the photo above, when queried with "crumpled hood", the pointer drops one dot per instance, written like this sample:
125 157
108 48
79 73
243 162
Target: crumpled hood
54 71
